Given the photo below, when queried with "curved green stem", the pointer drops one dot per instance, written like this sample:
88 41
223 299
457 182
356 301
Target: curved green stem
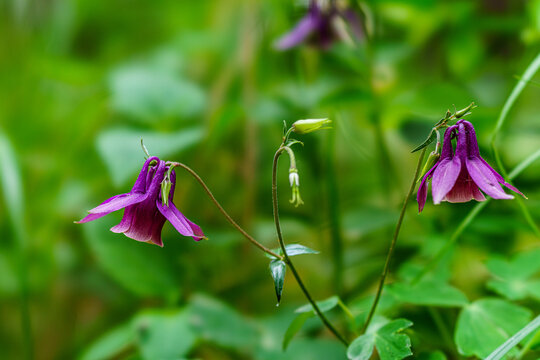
222 210
393 243
287 259
527 75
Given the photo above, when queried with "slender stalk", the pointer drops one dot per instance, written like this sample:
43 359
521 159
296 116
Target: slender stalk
527 75
394 241
287 259
222 210
502 350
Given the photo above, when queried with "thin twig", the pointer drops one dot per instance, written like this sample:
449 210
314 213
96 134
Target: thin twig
222 210
393 243
287 259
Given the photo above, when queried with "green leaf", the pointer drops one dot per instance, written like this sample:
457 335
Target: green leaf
486 323
324 305
139 267
277 269
386 338
513 279
164 334
367 220
388 306
294 328
297 249
148 93
110 344
217 323
305 312
121 151
429 293
432 136
293 250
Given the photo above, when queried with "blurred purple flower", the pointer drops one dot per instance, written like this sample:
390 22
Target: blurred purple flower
144 211
322 26
459 177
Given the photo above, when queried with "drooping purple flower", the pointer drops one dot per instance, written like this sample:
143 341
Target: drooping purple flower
144 211
322 25
459 176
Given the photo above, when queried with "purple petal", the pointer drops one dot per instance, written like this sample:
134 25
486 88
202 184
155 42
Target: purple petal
118 202
484 178
464 190
444 178
143 221
447 149
179 221
141 182
500 179
145 224
421 196
90 217
301 31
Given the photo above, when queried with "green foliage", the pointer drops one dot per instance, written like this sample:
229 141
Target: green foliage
110 344
324 305
217 323
139 267
121 151
149 93
293 250
304 313
164 334
514 279
386 337
509 344
486 323
429 293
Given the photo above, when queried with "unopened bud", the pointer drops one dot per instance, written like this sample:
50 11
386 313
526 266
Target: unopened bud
464 111
310 125
165 190
430 162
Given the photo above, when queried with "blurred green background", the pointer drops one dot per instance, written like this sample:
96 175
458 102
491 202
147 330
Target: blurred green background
82 81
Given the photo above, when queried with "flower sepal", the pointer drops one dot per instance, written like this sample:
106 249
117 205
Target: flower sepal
309 125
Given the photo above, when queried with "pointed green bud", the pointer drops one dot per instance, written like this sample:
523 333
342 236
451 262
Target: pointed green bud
431 160
310 125
464 111
165 190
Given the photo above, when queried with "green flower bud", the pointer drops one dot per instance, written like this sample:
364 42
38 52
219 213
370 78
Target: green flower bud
465 111
431 160
310 125
165 190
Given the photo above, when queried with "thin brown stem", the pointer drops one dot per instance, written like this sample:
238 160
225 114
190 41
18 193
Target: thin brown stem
222 210
393 243
287 259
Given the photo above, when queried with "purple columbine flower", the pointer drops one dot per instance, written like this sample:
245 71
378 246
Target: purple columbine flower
459 177
322 25
144 211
